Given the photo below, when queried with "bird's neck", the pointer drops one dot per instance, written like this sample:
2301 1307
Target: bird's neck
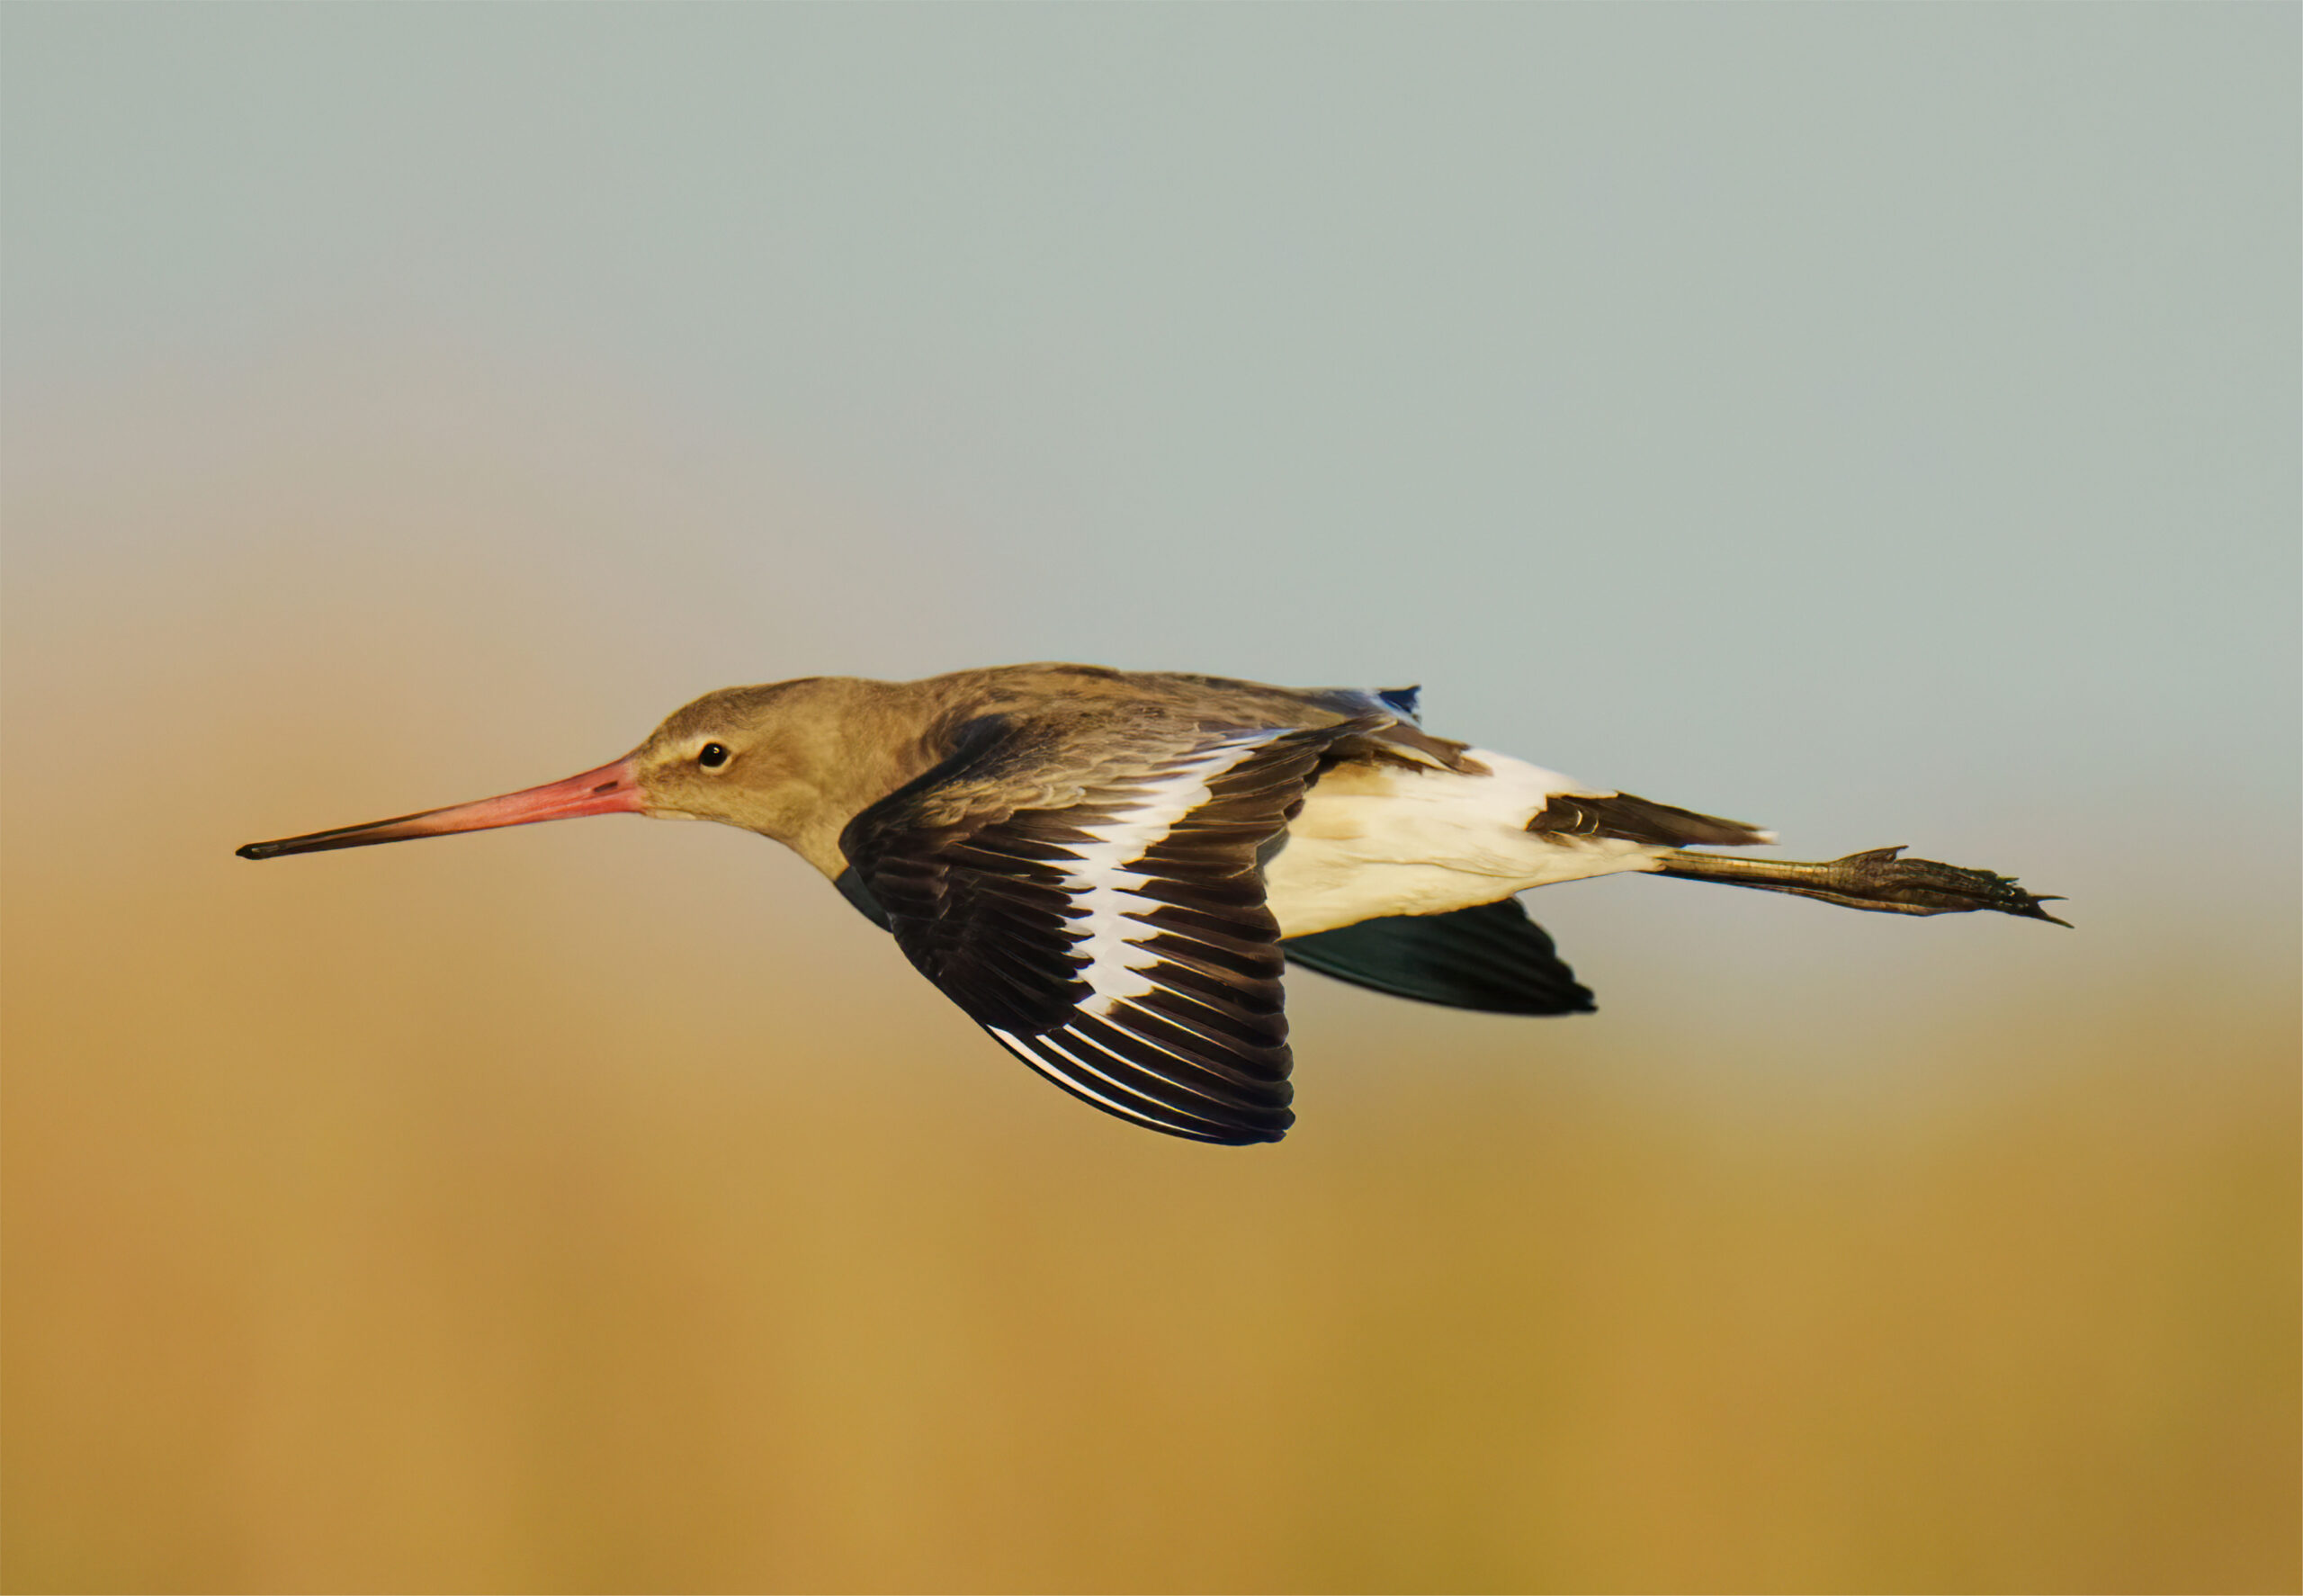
866 739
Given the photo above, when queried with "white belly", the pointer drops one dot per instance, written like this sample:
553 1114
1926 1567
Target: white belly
1390 839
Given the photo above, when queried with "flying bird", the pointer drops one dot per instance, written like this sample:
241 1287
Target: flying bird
1108 870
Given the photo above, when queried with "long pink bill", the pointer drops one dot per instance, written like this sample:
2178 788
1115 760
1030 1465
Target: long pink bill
612 789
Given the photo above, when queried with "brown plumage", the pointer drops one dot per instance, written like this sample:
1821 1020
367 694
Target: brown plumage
1108 870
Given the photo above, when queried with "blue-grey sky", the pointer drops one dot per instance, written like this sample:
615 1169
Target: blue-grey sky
1879 421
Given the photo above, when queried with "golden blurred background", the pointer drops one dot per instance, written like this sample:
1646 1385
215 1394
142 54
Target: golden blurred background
604 1206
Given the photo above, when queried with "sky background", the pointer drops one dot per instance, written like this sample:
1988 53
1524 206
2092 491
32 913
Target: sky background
1878 423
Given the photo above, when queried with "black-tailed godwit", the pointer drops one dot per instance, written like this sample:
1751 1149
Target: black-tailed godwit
1108 870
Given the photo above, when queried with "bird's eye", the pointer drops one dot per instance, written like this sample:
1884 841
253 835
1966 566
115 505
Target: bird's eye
711 755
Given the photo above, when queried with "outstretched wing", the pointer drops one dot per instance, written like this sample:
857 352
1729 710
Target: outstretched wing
1100 909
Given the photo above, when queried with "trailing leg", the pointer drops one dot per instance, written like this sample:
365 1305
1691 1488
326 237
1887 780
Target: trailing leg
1879 880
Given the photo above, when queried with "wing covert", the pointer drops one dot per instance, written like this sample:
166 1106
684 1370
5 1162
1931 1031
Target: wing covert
1100 910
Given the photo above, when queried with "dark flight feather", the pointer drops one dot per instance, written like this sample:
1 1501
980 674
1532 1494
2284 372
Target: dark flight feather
1490 958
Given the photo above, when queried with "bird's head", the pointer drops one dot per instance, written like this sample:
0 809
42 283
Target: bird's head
776 759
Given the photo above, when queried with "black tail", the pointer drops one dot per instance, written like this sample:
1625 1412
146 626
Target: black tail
1627 819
